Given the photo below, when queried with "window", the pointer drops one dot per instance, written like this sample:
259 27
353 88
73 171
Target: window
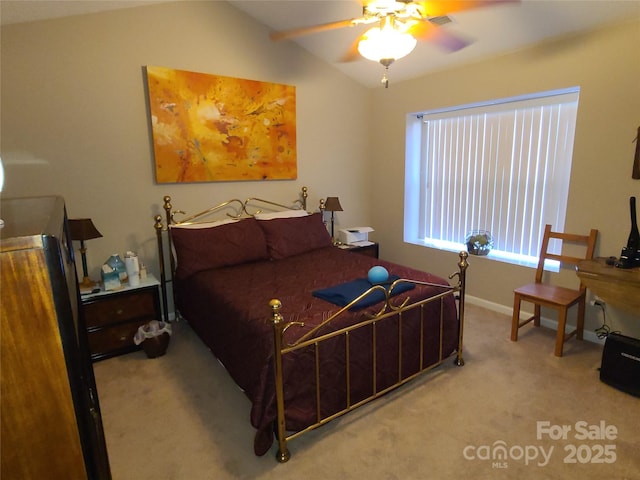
502 166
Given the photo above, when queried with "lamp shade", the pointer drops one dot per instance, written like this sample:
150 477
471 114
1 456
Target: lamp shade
332 204
386 44
83 229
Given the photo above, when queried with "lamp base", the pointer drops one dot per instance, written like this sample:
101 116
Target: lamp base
88 286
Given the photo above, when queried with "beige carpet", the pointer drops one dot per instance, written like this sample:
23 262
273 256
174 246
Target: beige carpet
181 417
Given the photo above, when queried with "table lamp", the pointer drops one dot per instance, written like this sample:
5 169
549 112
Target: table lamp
332 204
83 229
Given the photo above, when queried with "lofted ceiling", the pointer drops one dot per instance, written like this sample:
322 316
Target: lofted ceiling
493 30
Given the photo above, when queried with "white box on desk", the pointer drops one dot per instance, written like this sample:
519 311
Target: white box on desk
354 234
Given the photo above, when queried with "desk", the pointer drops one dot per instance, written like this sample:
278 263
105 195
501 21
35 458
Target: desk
619 287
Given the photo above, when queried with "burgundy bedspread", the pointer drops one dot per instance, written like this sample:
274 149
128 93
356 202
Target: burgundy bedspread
228 309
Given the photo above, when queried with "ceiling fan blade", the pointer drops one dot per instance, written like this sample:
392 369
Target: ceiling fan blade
323 27
436 8
425 30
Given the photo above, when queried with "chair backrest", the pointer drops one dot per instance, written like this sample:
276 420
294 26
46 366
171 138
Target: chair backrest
586 241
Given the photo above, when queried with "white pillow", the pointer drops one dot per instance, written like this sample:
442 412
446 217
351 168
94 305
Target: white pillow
216 223
282 214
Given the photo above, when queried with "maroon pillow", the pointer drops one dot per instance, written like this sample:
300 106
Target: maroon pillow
296 235
200 249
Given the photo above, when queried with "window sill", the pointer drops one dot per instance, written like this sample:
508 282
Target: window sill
495 255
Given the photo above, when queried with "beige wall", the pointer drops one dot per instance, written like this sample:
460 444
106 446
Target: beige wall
604 65
74 123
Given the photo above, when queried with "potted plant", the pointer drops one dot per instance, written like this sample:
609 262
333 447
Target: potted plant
479 242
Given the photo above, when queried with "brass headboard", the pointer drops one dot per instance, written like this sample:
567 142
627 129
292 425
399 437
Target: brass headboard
238 209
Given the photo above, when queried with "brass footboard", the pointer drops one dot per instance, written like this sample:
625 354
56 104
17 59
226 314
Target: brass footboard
388 311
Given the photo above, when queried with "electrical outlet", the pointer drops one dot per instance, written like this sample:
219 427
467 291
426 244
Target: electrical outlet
597 302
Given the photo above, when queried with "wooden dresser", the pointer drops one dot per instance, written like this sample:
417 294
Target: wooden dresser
51 425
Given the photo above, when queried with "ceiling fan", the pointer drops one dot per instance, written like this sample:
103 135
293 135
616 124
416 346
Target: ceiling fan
399 24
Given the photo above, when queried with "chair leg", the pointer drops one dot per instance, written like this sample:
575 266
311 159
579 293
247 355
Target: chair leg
536 315
516 318
580 321
562 324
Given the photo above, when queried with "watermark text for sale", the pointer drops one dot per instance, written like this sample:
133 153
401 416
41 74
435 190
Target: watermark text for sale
578 443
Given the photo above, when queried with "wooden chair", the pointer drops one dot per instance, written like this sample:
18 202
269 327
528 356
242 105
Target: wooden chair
547 295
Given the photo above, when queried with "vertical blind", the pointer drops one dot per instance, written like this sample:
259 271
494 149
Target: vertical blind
502 166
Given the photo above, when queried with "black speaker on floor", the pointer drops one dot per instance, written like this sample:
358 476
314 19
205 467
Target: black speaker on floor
621 363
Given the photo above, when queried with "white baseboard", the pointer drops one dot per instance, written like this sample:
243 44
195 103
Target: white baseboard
546 322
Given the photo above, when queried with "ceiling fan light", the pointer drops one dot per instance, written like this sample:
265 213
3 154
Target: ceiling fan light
377 44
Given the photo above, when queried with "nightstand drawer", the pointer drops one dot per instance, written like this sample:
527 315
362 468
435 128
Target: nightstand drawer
368 250
114 340
120 308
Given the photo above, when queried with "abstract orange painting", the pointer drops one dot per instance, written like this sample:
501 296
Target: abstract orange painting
210 128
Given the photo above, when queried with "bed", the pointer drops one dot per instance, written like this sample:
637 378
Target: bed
295 320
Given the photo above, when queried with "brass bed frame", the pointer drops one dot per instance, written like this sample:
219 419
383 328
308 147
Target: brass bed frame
280 326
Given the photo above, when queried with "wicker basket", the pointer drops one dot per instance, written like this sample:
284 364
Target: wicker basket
156 346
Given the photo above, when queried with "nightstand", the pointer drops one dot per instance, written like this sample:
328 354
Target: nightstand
113 317
368 250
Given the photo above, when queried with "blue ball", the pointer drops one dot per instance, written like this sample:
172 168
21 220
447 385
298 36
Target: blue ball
378 274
